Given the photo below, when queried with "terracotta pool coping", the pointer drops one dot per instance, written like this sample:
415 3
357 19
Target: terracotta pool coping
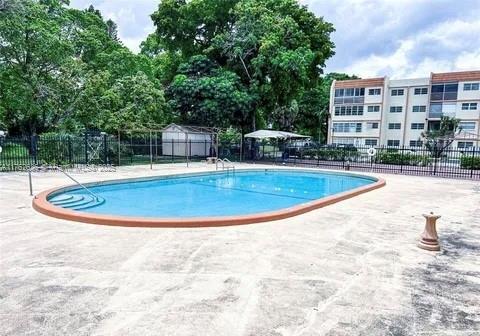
41 204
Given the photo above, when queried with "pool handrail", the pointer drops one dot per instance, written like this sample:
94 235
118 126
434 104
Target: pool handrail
223 161
96 197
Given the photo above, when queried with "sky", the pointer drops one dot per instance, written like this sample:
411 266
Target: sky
396 38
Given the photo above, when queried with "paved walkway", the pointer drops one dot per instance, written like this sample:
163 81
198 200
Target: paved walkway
352 268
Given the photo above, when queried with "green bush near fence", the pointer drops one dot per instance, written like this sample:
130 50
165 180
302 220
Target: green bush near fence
53 151
395 157
470 162
12 151
331 154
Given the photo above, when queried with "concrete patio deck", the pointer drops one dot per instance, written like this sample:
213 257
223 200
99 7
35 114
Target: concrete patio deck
351 268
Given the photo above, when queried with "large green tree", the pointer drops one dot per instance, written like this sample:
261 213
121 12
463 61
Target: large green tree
205 94
276 47
55 64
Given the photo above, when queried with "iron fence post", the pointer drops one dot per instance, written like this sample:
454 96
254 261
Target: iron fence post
34 145
473 162
30 182
151 151
105 149
402 158
86 147
69 149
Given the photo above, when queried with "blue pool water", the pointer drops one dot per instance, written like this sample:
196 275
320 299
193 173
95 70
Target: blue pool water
208 195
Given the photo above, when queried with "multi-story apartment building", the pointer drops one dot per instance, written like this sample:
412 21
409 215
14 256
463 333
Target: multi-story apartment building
384 112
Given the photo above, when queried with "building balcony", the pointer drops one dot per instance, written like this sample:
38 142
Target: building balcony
439 115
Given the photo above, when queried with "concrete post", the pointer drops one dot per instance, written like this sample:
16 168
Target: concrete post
429 237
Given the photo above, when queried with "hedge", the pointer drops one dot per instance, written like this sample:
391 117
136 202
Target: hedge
470 162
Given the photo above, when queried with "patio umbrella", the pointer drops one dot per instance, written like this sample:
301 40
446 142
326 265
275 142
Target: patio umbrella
268 134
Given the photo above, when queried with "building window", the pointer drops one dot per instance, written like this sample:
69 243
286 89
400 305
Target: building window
417 126
446 91
416 143
393 143
467 125
396 109
419 108
438 110
398 92
347 127
349 96
370 142
374 92
420 91
465 144
373 108
394 126
344 141
349 110
372 125
469 106
471 86
353 92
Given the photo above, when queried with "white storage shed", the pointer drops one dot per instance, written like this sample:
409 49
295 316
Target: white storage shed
178 140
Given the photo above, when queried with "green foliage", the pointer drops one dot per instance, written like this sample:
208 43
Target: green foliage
241 63
276 48
437 140
230 136
12 150
60 68
470 162
205 94
396 157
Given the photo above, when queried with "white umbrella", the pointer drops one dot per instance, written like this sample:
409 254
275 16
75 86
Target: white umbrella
267 134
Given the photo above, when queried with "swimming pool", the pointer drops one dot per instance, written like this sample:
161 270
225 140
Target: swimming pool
203 199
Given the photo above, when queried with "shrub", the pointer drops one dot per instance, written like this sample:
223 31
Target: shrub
470 162
310 153
53 150
402 158
14 150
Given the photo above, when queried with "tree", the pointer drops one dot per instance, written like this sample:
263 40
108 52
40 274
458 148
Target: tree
57 62
276 47
205 94
133 102
438 139
280 47
190 26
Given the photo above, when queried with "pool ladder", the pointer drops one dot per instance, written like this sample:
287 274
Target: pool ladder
226 164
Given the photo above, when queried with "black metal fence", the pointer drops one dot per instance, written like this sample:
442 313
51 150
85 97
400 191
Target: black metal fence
451 162
101 149
19 154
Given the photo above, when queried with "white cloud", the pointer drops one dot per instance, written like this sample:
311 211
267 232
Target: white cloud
455 46
132 17
399 38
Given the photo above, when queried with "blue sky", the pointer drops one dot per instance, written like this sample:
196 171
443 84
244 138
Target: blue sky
398 38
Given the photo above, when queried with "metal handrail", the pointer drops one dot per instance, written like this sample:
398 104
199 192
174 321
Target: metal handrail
66 174
223 161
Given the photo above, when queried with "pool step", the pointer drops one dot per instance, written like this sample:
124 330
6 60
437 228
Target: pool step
67 200
77 202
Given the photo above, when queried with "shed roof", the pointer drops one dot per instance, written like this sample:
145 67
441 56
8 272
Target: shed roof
190 129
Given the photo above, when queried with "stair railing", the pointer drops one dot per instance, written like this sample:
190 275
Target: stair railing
66 174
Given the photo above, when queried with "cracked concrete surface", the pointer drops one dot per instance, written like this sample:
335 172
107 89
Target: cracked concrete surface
351 268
